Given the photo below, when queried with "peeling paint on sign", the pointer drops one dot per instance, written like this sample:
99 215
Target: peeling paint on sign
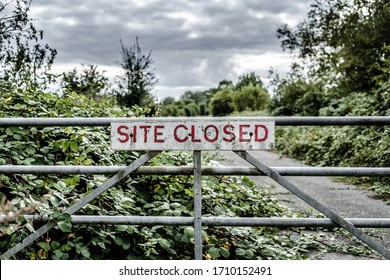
192 134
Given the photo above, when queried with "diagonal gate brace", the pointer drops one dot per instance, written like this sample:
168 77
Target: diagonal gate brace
315 203
81 203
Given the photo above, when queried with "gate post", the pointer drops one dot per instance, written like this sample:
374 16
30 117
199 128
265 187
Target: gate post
198 204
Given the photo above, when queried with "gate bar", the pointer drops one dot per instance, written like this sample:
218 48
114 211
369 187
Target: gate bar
217 221
198 204
283 121
188 170
81 203
315 204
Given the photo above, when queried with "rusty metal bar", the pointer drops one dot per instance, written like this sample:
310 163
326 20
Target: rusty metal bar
81 203
281 121
315 204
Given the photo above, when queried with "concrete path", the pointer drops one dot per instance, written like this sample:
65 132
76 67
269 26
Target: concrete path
346 200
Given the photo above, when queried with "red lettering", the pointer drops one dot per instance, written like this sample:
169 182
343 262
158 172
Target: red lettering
257 139
180 140
193 134
228 130
134 134
146 131
206 135
243 133
158 133
124 134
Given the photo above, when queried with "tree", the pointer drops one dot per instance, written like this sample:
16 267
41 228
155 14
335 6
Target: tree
167 101
342 41
138 79
249 79
221 103
296 94
225 84
22 57
90 82
251 98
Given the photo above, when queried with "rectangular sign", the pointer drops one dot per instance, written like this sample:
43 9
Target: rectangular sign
190 134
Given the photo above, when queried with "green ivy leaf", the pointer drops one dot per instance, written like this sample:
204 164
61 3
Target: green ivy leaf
65 146
121 228
30 150
164 243
55 245
225 253
74 146
65 226
240 252
189 232
59 255
64 223
165 206
249 254
214 253
121 242
45 246
85 252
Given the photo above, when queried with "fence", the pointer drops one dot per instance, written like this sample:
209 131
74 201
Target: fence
259 169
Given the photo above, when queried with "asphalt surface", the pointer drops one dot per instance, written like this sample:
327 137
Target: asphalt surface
346 200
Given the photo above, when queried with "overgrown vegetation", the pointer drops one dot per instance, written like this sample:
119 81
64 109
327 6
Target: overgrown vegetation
140 195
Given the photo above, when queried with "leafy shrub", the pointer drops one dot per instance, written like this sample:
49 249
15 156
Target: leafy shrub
251 98
297 97
221 103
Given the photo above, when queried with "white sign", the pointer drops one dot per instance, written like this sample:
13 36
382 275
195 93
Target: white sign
206 134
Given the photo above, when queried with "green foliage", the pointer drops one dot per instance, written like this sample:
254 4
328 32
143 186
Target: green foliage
51 145
221 103
251 98
341 41
295 95
247 94
189 104
90 82
249 79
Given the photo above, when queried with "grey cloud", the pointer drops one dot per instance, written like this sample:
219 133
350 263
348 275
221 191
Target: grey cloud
192 41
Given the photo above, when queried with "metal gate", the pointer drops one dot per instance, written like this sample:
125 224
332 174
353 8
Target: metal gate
259 169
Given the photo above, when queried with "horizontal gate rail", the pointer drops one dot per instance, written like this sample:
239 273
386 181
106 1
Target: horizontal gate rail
218 221
280 121
177 170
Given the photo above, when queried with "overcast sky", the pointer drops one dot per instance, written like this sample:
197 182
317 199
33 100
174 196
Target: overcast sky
194 44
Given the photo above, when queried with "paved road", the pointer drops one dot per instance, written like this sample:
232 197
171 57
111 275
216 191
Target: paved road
346 200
